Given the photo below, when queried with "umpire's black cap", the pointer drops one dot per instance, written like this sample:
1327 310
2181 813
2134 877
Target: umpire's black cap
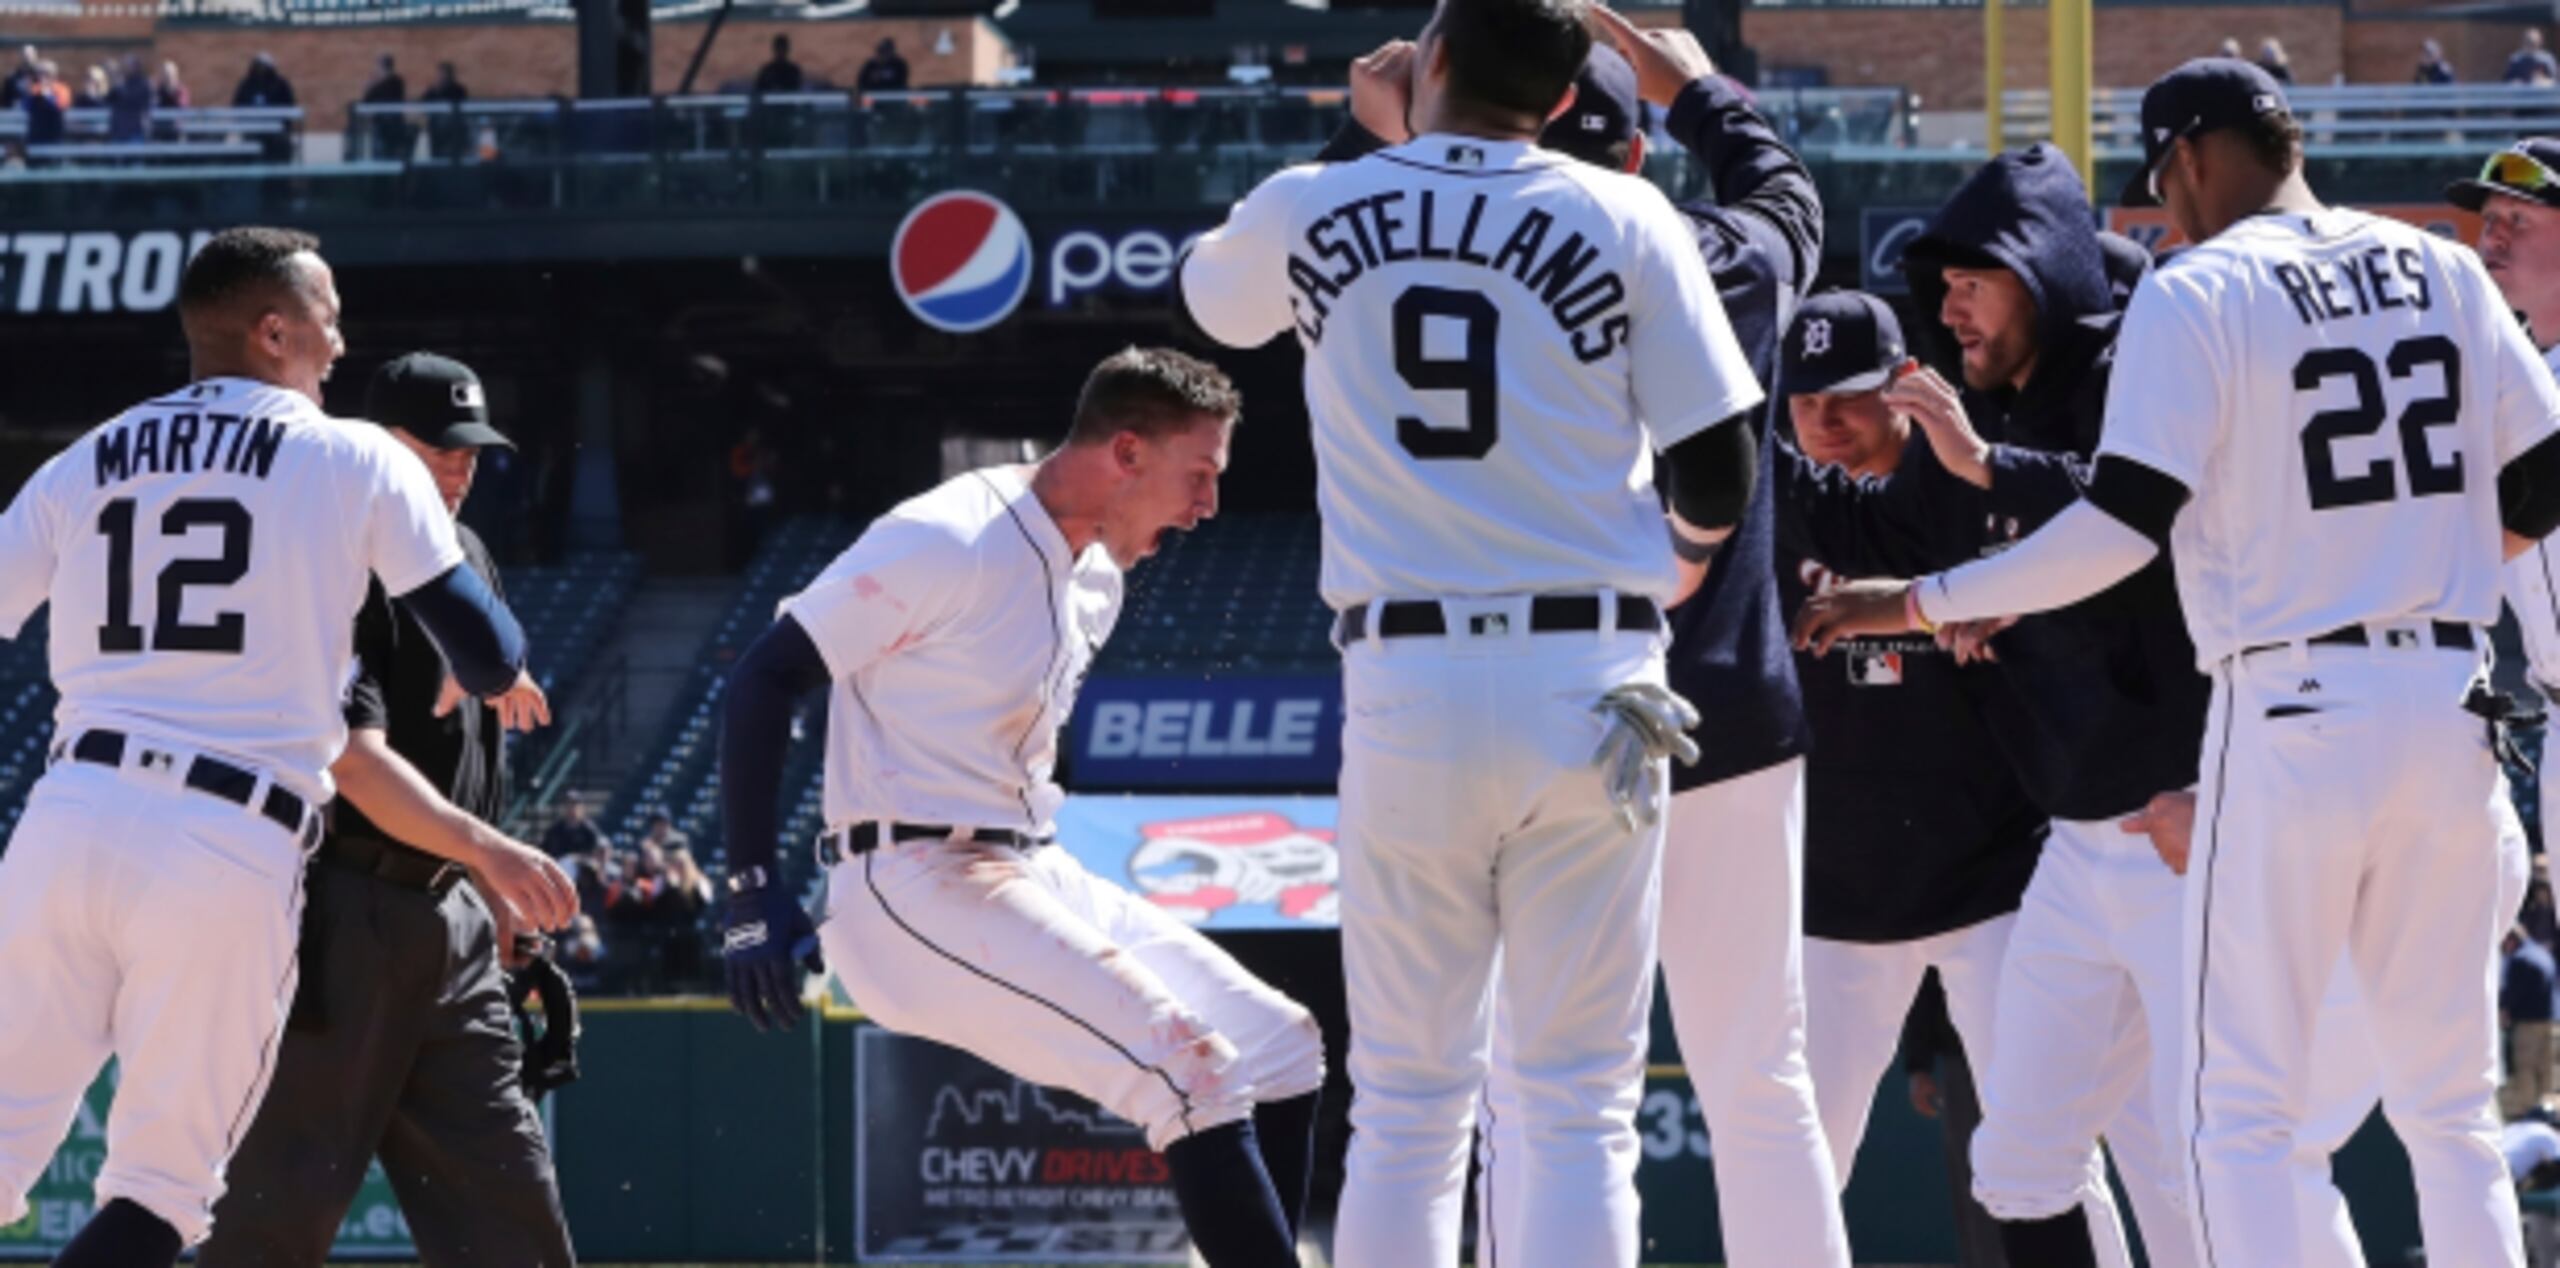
2199 97
1605 113
436 399
2528 169
1841 341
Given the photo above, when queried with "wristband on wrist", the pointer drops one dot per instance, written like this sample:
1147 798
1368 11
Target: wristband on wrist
1911 610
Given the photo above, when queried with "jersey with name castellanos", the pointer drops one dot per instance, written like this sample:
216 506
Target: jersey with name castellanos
2339 392
205 554
1497 339
958 629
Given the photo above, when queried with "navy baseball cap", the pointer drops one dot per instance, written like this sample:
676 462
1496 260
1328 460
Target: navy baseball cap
1605 112
436 399
2197 98
1841 341
2529 169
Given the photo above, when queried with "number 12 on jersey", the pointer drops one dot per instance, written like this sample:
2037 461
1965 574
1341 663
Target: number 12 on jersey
170 632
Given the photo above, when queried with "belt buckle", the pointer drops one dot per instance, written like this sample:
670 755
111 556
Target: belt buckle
2401 636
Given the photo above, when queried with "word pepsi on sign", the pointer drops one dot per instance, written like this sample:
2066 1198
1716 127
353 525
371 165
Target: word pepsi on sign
94 270
1140 261
961 261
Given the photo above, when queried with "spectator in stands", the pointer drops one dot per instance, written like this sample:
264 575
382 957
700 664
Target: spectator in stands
885 72
660 831
571 833
2230 48
2540 921
94 90
390 129
2272 59
14 89
581 956
1942 1089
680 906
170 91
264 85
446 132
2524 1009
44 102
2432 66
129 102
2531 63
781 74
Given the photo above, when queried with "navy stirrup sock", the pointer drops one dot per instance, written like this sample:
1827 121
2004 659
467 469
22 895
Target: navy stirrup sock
1227 1199
122 1235
1287 1132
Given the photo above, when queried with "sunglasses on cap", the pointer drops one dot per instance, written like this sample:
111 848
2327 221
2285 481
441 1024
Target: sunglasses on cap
2515 169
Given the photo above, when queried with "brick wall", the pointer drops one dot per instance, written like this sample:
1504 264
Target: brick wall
1938 52
330 68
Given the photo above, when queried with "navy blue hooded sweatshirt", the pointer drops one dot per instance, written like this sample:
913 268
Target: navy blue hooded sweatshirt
2103 707
1762 239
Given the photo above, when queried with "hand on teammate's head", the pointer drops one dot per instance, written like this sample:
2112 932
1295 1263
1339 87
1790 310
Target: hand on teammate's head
1666 59
1382 92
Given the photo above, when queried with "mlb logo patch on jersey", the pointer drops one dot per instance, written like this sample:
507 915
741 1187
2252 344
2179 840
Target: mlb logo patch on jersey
961 261
1874 668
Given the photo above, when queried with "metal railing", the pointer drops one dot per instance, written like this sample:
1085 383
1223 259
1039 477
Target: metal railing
194 134
2367 118
589 736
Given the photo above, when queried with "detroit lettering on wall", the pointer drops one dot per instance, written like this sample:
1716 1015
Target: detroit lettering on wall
94 270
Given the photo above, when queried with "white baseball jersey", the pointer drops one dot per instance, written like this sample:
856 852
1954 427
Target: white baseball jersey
1497 338
205 553
2533 590
958 629
2339 392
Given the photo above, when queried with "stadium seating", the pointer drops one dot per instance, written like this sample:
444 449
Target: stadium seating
681 777
1239 593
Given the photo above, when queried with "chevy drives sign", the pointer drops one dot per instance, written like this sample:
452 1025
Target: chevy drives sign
1228 731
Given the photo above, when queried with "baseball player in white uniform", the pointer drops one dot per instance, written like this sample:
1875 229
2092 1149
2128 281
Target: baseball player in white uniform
953 636
1498 338
2338 431
2518 197
204 554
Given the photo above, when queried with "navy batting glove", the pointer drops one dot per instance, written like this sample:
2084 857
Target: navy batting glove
769 940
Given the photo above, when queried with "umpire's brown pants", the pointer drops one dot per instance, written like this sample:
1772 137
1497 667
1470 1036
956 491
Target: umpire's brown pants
2529 1070
403 1045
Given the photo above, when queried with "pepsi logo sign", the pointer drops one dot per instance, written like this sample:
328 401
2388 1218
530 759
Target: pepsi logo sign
961 261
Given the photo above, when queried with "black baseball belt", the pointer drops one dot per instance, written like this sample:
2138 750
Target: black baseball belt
392 862
2449 635
1548 614
205 774
863 838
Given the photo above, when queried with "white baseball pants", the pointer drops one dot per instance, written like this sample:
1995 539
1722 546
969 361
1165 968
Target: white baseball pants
1030 962
1475 828
2347 808
1733 959
2346 1077
155 924
2090 977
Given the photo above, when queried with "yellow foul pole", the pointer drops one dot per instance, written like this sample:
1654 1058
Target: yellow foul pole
1992 51
2068 38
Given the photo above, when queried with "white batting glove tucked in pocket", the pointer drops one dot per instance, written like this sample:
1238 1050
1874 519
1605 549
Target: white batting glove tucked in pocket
1646 723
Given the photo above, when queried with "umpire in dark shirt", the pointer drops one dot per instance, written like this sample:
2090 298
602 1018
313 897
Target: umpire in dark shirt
402 1042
